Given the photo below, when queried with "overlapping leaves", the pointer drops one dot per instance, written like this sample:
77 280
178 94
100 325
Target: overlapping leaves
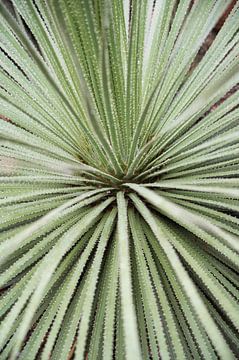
119 184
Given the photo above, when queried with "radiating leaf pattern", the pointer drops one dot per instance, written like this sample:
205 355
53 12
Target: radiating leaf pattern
119 184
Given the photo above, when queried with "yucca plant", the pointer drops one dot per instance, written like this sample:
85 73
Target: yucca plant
119 180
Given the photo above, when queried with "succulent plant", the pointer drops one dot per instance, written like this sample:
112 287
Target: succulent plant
119 180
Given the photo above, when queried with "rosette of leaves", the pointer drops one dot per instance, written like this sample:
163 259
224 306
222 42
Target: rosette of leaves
119 181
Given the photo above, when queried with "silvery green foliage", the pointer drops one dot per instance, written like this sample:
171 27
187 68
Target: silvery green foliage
119 189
